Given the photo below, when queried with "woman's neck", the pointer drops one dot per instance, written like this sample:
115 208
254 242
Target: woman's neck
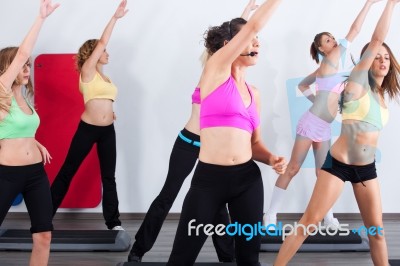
17 90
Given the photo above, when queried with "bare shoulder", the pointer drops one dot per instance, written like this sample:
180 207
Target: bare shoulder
254 90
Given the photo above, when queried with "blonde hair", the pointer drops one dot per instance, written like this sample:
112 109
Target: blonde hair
7 56
85 51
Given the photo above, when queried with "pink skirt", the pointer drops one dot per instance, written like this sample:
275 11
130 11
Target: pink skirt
313 127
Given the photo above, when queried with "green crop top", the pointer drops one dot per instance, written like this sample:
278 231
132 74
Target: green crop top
97 88
18 124
366 109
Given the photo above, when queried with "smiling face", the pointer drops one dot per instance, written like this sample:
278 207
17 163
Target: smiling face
381 64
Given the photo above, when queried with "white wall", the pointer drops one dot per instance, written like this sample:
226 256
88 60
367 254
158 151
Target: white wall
154 62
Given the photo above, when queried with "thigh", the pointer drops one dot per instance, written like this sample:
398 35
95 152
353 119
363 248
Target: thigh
81 144
38 202
181 163
300 149
320 150
369 202
199 209
326 191
107 151
10 186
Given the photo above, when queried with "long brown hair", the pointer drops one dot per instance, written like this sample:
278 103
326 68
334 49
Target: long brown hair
390 84
7 55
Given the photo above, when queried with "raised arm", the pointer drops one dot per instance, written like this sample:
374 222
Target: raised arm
330 62
225 56
89 67
251 6
378 37
355 88
359 21
25 49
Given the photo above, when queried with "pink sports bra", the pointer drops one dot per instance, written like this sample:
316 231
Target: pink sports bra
196 96
224 107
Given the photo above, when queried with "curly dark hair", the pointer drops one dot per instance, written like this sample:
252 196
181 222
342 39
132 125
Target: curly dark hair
215 36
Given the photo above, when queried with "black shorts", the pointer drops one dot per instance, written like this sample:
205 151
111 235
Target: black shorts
351 173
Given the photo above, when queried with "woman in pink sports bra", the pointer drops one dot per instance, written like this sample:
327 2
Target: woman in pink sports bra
352 156
230 138
314 127
22 157
183 158
96 125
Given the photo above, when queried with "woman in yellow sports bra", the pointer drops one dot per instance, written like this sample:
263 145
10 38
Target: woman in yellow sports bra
352 156
96 125
21 155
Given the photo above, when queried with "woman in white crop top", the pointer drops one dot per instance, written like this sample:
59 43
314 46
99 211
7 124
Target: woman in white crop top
96 125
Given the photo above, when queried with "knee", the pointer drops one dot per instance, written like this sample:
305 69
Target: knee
311 219
292 169
377 236
42 239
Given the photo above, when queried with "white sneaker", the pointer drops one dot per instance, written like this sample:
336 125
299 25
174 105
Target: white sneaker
269 219
333 224
118 227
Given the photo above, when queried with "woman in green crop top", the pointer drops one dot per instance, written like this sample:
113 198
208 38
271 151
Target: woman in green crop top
21 156
96 125
352 156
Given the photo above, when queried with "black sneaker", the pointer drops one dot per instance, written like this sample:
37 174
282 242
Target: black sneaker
134 257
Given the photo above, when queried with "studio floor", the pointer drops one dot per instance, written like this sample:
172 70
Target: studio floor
163 245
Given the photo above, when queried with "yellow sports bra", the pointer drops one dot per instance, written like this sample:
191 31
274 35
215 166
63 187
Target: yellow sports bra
366 109
97 88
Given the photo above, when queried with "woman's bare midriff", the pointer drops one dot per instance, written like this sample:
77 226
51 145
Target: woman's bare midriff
98 112
20 151
225 146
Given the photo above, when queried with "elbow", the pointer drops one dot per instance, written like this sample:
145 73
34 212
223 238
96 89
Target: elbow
254 26
22 54
303 87
376 39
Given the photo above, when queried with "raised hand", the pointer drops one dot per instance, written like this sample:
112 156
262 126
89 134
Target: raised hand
252 5
121 10
46 8
373 1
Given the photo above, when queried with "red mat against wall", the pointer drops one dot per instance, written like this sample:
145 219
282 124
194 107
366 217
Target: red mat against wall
60 105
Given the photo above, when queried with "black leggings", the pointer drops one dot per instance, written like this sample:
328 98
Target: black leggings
182 160
32 182
82 142
213 186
